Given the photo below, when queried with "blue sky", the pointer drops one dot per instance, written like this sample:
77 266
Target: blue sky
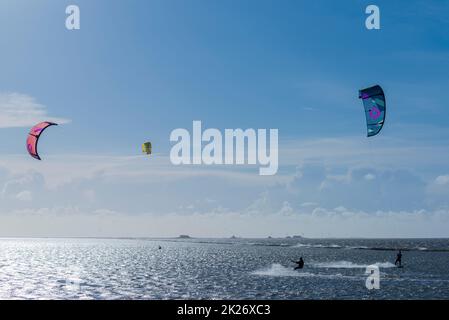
139 69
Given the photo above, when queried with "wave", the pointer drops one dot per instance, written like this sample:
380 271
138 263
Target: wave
326 246
404 249
350 265
278 270
422 248
266 244
336 246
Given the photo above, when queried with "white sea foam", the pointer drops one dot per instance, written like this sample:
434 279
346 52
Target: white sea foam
278 270
329 246
351 265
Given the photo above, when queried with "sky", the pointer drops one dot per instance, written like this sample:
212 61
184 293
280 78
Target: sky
138 69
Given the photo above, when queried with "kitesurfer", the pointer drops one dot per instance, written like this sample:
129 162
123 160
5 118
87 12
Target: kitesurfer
398 261
300 263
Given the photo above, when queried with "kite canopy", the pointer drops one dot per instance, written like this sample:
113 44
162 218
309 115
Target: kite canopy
375 108
146 148
33 138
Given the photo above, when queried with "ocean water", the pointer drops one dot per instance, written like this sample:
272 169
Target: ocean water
220 269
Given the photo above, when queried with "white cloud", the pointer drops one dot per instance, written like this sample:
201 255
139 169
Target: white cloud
363 188
438 188
442 180
21 110
293 200
24 196
309 204
321 222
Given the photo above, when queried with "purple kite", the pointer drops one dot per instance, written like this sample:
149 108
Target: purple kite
375 109
33 138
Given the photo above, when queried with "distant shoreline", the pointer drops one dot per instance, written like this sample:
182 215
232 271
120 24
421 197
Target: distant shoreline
220 238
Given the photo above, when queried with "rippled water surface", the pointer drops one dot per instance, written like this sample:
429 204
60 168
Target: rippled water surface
219 269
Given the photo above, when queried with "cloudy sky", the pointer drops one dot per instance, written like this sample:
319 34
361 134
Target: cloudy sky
139 69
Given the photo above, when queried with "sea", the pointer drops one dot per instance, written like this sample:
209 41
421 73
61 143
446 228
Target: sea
66 269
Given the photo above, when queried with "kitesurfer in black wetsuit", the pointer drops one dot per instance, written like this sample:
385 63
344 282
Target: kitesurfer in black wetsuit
300 263
398 261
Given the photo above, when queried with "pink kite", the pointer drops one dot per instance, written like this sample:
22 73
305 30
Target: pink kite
33 138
